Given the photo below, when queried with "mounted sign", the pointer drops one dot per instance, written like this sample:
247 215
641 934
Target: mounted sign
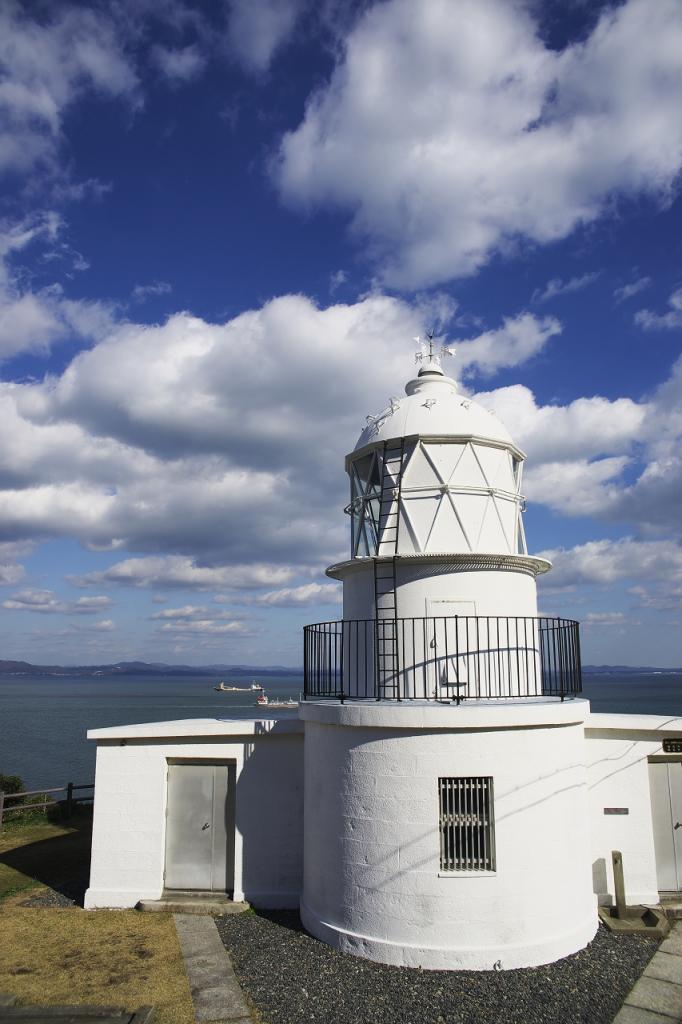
672 746
616 810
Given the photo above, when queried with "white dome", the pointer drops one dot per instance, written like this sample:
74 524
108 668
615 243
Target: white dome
432 407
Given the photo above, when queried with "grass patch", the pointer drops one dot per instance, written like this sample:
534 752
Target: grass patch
108 957
59 956
40 853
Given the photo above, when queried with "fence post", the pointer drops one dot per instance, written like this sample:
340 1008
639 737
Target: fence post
2 805
69 800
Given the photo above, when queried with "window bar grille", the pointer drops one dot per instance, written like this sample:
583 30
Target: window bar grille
467 838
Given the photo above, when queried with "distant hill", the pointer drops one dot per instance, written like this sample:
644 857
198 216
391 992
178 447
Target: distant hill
144 668
613 670
140 668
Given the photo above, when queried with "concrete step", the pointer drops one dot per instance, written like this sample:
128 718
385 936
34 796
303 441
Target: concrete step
210 903
672 907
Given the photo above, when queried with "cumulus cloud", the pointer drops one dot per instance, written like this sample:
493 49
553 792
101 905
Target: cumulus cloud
557 286
165 440
188 611
604 562
668 321
583 429
450 131
33 320
577 488
307 594
47 602
179 572
47 64
207 627
257 30
517 340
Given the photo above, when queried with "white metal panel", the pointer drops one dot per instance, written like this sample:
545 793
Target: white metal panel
675 783
448 672
200 827
666 811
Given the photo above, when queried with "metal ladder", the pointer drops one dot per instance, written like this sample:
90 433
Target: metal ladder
385 604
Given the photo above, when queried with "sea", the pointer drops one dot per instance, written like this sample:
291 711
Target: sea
44 719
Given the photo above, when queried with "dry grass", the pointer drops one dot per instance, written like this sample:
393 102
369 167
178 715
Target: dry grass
114 958
22 849
57 956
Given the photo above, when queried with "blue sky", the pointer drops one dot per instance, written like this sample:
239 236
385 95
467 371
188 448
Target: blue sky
221 226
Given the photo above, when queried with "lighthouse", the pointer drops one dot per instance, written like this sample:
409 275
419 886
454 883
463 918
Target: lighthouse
444 798
444 774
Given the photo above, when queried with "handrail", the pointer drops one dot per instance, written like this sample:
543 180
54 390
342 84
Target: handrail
442 658
68 802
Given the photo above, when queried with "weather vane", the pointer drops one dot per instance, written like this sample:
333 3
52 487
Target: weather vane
432 354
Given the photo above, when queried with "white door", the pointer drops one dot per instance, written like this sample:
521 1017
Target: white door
200 827
665 781
453 670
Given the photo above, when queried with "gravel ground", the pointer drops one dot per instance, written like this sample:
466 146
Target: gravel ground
292 978
69 894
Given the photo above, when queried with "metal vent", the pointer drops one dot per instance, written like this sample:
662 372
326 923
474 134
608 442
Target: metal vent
467 824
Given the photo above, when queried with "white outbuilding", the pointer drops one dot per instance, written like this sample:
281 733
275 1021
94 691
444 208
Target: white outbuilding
444 798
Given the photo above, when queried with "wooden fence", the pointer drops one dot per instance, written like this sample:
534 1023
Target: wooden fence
67 804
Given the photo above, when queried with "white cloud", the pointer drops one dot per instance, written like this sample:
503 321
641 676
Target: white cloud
32 321
177 571
605 562
47 64
605 619
11 573
179 64
669 321
257 30
207 627
518 340
450 131
628 290
47 602
188 611
141 292
583 429
576 488
167 440
307 594
557 286
336 279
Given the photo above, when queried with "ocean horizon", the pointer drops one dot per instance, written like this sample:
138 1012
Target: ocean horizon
44 719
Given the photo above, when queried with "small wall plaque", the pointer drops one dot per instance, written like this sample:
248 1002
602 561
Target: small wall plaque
616 810
672 746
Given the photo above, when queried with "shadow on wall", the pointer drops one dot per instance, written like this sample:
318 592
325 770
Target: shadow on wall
269 816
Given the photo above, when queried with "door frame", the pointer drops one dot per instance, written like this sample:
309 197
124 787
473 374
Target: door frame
666 759
233 765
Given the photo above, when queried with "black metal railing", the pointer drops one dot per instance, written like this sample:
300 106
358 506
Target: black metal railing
444 658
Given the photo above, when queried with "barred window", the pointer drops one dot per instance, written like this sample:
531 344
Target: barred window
467 825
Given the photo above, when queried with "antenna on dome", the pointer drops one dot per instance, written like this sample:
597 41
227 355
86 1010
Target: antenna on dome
428 352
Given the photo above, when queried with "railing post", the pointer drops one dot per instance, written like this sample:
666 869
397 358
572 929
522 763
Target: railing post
69 800
2 805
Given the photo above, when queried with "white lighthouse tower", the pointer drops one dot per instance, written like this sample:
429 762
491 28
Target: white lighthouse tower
445 818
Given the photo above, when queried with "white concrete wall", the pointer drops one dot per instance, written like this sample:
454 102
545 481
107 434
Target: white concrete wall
617 751
128 846
372 883
494 592
481 658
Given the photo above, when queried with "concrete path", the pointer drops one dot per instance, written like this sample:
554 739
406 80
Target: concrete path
657 996
216 993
